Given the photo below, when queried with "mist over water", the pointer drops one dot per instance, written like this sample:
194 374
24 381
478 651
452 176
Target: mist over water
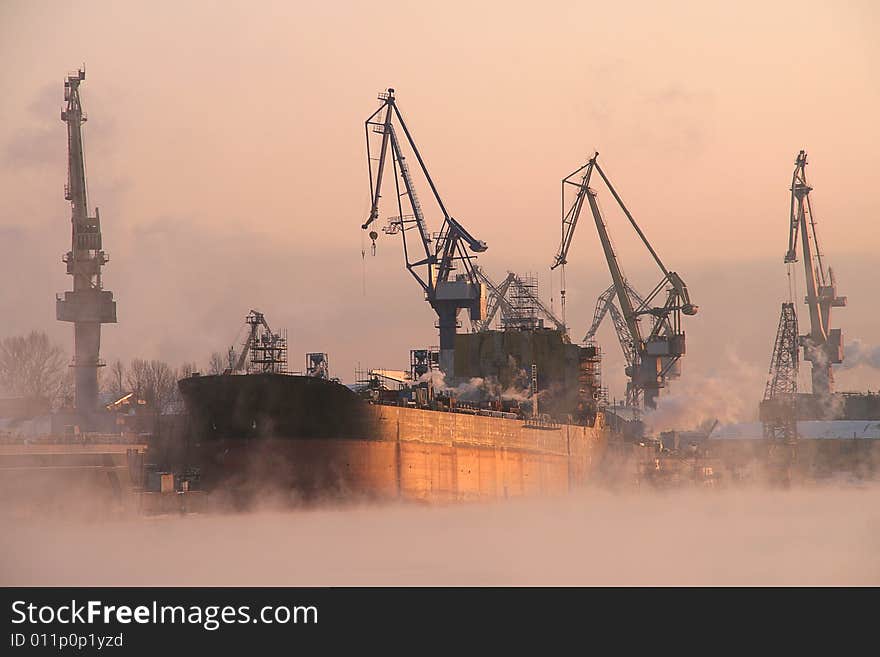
751 536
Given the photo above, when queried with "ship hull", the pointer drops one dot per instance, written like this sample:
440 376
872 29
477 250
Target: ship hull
387 452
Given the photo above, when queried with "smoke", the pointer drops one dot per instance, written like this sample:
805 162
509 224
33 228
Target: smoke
481 388
858 353
729 394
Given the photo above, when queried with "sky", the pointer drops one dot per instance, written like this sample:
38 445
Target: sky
225 149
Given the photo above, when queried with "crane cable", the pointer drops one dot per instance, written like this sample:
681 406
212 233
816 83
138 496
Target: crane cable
364 209
363 266
562 291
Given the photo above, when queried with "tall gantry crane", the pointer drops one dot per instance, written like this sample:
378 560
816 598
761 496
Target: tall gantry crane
89 305
823 346
653 355
443 264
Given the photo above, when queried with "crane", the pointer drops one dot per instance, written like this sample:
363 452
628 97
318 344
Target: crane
88 305
432 261
653 357
823 346
518 304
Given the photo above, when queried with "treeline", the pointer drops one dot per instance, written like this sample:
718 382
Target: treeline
33 366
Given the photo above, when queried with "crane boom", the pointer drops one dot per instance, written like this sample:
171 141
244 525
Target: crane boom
570 218
496 300
602 305
376 189
629 314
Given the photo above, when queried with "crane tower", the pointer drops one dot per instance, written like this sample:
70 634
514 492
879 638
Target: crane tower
88 305
823 345
778 410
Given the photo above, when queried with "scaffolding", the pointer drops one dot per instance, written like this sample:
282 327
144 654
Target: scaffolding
523 312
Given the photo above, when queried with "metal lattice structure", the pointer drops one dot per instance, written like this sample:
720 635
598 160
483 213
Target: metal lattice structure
779 407
89 305
515 302
267 350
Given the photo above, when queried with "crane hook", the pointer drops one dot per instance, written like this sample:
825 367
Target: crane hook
373 236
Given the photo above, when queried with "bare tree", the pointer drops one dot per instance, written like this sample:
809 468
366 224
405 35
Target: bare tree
218 363
187 369
163 384
32 366
152 381
66 390
115 382
137 379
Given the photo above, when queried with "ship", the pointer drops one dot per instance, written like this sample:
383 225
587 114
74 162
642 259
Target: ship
268 431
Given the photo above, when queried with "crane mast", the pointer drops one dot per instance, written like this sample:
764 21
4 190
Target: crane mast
651 358
88 305
778 410
823 346
434 263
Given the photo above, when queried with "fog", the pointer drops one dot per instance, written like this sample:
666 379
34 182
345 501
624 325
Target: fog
800 536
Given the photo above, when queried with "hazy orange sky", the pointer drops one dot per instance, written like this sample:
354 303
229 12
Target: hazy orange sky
225 149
